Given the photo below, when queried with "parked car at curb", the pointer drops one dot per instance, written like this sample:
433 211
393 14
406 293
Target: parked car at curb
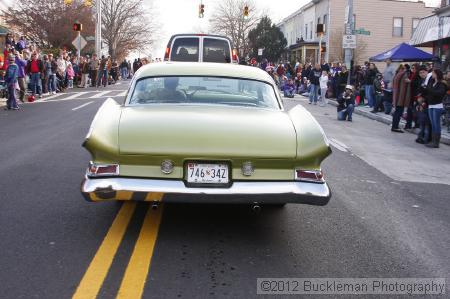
205 133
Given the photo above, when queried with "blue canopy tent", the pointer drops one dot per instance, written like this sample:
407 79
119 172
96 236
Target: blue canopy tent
404 53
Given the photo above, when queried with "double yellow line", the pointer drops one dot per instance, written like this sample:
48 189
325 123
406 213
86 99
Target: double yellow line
133 282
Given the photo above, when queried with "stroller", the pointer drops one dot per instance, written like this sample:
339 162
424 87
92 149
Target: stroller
3 89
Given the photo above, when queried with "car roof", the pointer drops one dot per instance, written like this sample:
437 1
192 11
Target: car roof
199 35
171 68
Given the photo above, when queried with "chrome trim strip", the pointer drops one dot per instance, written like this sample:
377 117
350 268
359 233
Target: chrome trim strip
313 190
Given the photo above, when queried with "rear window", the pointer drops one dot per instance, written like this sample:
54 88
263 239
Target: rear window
204 90
185 49
216 50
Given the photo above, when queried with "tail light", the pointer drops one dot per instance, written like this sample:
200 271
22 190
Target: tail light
167 54
314 176
95 170
235 56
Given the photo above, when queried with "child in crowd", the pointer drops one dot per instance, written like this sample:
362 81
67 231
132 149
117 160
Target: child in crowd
303 88
289 89
70 75
323 81
11 79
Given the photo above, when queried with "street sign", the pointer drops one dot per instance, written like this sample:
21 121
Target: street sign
361 31
90 38
76 43
260 52
349 42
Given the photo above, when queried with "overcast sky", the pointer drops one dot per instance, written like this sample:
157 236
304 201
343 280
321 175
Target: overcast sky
181 16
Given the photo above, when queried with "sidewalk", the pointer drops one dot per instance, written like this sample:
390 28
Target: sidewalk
387 119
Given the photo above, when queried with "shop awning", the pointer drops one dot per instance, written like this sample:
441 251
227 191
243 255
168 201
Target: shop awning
429 30
404 53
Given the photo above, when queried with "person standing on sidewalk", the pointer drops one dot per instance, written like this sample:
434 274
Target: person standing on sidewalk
46 74
435 93
388 74
411 114
94 66
401 96
424 135
314 79
21 64
11 77
323 88
369 78
84 66
52 79
378 87
35 68
102 72
124 70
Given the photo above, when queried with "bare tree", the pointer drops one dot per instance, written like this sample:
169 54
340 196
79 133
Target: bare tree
128 26
228 19
48 23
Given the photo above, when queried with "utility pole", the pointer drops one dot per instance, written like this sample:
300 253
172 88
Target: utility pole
349 31
98 29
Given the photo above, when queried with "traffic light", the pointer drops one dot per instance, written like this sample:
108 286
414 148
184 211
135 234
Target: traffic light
68 2
201 10
88 3
246 11
77 27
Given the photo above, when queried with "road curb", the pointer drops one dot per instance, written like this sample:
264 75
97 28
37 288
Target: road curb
444 139
373 116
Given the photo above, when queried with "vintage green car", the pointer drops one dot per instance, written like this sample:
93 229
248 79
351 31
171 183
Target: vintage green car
205 133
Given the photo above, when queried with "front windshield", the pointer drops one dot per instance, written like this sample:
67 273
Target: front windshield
204 90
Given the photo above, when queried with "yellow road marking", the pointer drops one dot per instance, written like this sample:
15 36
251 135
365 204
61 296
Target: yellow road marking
98 269
154 196
133 282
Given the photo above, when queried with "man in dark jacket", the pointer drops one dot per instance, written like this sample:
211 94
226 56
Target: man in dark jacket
369 77
35 69
346 104
314 79
424 135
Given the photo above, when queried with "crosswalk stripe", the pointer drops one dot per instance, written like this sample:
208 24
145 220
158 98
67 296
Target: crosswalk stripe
51 97
122 94
75 95
81 106
99 95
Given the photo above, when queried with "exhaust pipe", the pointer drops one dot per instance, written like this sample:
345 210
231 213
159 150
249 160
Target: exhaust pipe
256 208
155 206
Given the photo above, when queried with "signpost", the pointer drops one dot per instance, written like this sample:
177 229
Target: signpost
260 52
79 42
349 42
349 39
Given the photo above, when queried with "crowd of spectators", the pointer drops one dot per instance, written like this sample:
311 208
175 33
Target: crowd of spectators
28 72
417 93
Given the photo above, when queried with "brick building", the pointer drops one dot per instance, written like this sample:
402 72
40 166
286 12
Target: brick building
389 23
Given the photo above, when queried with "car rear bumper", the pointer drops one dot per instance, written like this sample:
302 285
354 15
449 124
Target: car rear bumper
103 189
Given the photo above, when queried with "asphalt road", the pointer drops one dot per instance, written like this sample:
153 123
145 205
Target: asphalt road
389 217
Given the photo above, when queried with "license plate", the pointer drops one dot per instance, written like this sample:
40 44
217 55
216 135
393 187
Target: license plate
207 173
